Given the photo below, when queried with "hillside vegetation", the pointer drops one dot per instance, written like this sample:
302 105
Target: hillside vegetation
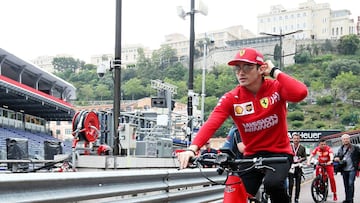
330 70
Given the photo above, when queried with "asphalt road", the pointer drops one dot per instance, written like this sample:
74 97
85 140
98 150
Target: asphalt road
305 193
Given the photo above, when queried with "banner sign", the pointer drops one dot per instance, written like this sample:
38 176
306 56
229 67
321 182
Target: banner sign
311 135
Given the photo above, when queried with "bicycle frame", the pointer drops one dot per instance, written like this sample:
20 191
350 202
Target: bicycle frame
319 186
322 171
235 191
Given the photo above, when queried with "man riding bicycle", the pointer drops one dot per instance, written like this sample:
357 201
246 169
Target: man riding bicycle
325 156
258 108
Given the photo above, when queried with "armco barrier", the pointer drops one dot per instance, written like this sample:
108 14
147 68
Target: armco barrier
120 186
124 185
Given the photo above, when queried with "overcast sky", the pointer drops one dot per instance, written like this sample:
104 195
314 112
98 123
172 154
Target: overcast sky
31 28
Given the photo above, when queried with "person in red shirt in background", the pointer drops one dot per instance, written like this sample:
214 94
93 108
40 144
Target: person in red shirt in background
325 156
257 107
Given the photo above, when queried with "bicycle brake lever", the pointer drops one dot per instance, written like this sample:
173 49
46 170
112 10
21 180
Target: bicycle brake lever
266 167
220 171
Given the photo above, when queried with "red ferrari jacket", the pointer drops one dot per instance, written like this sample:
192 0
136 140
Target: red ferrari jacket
260 118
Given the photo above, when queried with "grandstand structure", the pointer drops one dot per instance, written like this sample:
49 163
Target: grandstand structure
30 98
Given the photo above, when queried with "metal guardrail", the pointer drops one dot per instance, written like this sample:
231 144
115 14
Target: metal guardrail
124 185
114 186
308 172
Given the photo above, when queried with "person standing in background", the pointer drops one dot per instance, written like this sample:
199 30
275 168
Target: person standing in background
295 172
349 154
233 142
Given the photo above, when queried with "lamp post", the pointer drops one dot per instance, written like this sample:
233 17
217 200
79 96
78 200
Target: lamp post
203 82
182 14
207 40
281 36
116 66
117 78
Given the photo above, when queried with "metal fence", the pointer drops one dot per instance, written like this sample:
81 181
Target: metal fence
114 186
125 185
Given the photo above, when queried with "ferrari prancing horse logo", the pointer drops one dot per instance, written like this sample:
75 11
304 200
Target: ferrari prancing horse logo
264 102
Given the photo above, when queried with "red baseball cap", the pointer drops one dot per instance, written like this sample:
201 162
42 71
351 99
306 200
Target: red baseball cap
249 55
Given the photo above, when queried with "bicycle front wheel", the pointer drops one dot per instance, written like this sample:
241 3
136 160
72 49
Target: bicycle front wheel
319 190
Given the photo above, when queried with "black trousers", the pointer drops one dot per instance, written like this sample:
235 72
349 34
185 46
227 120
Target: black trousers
295 178
274 181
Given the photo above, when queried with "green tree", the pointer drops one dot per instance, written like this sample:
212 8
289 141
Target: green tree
348 44
134 89
296 116
327 47
315 49
67 64
127 74
342 65
317 85
210 103
102 91
176 72
164 57
145 68
200 47
302 57
354 95
277 52
87 92
346 82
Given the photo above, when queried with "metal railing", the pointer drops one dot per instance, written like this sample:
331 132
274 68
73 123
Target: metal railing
114 186
124 185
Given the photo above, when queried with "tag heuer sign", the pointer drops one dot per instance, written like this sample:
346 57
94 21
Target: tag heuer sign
312 135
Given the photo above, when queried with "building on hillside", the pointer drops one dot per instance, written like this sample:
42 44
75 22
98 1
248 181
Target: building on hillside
317 21
61 130
45 62
178 42
129 55
181 43
222 36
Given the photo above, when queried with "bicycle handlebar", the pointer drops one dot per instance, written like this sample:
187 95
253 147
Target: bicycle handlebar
321 164
324 164
226 160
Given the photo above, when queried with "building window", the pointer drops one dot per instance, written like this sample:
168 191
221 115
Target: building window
68 131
